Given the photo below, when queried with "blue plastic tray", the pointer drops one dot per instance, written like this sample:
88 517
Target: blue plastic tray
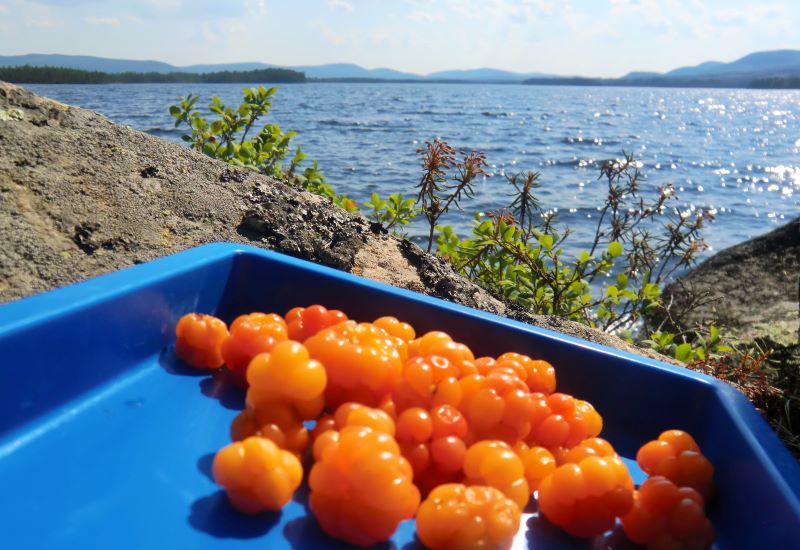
106 440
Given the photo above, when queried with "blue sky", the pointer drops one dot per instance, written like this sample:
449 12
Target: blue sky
586 37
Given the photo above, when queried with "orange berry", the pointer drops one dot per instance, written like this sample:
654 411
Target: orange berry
427 381
495 463
305 322
497 406
396 328
199 339
541 376
439 343
585 498
447 453
288 433
447 421
249 336
356 414
593 446
456 517
257 475
288 371
538 462
361 486
666 516
676 456
414 425
362 361
560 420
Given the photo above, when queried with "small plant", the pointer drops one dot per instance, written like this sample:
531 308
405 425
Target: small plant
438 189
518 252
394 212
689 347
229 138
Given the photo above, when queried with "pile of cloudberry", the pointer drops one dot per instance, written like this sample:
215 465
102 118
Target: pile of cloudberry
418 427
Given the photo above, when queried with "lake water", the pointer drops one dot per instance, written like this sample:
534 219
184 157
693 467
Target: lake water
736 152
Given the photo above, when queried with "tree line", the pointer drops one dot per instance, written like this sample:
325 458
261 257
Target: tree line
28 74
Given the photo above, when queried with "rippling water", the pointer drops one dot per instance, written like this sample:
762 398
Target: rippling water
736 152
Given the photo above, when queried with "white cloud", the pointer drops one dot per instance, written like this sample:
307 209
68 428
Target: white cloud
340 5
40 23
255 7
233 27
161 5
3 8
426 17
328 34
94 20
751 15
648 12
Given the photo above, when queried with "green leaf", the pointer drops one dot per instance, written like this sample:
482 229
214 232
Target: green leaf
714 334
615 249
622 280
546 241
683 353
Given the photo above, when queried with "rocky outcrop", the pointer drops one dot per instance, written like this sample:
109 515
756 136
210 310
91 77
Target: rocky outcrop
750 290
81 196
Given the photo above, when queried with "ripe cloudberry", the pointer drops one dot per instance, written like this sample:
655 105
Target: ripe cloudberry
361 486
560 420
667 516
585 498
250 335
305 322
427 381
362 361
496 406
439 343
676 456
199 339
494 463
257 475
456 517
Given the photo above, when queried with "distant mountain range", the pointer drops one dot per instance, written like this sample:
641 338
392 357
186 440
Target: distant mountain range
762 67
330 71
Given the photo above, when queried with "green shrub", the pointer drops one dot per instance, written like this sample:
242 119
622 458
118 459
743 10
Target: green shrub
228 137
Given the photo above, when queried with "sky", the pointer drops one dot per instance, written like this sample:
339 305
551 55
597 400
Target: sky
566 37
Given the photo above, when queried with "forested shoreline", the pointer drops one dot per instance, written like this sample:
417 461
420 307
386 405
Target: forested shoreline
27 74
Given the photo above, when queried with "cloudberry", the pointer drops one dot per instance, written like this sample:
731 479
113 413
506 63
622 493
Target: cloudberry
585 498
250 335
456 517
362 361
257 475
305 322
199 338
361 486
676 456
667 516
495 464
